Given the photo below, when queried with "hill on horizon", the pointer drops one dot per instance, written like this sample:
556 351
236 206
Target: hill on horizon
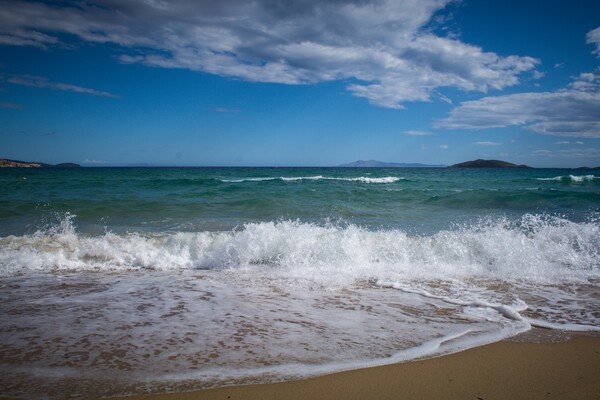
487 164
7 163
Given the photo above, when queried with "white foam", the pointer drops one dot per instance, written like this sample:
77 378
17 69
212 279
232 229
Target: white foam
564 326
510 312
285 299
534 249
571 178
362 179
186 325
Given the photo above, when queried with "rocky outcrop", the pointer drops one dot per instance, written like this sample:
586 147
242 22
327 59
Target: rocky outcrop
6 163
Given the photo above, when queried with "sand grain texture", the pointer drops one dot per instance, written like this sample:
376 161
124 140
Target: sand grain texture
505 370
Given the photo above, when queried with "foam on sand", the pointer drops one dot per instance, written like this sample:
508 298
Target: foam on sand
280 300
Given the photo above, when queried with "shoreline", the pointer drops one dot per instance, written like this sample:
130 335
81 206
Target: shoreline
537 365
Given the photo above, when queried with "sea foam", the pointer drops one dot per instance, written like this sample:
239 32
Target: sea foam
361 179
534 248
571 178
281 300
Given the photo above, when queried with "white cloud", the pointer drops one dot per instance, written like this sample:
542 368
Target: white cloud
20 37
593 37
88 161
571 153
538 74
417 133
40 82
566 142
487 144
587 81
571 112
381 46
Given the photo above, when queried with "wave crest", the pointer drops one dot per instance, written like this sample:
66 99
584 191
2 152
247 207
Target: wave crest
535 248
571 178
362 179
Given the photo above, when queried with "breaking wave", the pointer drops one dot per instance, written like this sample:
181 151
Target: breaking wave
571 178
535 248
361 179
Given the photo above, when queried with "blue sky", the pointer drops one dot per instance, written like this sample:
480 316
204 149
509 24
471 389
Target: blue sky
290 83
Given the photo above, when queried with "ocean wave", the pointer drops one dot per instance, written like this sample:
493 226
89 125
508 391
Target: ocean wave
362 179
535 248
283 300
571 178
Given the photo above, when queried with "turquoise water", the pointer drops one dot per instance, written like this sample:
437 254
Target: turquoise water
212 199
119 281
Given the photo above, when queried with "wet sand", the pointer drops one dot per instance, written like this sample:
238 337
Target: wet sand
514 369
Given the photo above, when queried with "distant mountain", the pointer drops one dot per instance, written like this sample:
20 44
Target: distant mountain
487 164
6 163
381 164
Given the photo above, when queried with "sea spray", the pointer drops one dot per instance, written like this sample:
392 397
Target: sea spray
535 248
572 178
201 277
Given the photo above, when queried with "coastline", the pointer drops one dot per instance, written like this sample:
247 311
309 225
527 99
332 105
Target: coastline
535 366
538 364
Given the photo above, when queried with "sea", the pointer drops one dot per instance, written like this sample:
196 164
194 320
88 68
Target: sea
118 281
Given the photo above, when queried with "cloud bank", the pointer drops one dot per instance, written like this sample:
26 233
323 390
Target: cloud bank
570 113
573 111
385 49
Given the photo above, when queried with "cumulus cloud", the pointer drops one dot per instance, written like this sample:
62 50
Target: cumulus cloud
573 111
40 82
382 47
570 113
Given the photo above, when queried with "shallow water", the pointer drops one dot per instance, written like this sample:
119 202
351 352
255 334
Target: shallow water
134 279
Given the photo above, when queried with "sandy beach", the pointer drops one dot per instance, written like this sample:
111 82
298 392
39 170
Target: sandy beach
514 369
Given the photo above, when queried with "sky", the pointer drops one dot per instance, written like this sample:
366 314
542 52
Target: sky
300 82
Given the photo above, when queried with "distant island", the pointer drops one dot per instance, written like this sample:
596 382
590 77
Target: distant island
6 163
381 164
487 164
